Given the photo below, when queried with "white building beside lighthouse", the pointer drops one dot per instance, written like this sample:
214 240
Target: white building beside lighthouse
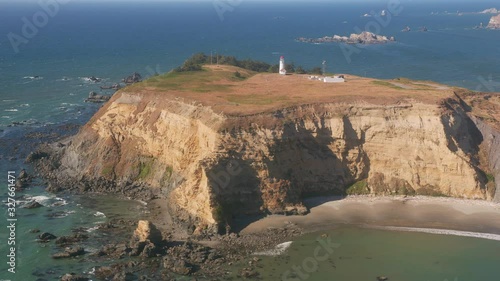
282 65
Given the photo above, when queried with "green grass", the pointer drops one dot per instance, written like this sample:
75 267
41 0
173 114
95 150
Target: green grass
202 81
490 177
386 84
145 169
168 174
359 188
107 170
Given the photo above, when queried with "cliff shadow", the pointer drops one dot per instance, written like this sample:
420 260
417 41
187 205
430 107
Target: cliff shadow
304 157
236 192
463 134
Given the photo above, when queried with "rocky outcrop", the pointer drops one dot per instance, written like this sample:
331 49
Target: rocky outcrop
147 231
44 237
73 277
364 37
131 79
69 252
212 167
490 11
95 98
494 22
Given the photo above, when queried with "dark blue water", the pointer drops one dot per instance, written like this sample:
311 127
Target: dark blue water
112 40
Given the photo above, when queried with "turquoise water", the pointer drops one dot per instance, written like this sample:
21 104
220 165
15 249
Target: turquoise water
364 254
112 40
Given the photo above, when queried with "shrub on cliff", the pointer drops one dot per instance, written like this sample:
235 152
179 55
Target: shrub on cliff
195 62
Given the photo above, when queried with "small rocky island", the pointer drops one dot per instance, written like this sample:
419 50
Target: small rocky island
364 37
494 22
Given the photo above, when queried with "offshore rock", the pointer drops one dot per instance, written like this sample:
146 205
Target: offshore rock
69 252
364 37
96 98
73 277
494 22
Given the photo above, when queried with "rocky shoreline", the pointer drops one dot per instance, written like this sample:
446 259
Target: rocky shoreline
150 252
364 37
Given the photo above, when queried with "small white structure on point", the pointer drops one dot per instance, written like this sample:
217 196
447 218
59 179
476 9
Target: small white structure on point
334 79
282 65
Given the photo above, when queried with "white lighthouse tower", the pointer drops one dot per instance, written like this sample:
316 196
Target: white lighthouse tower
282 65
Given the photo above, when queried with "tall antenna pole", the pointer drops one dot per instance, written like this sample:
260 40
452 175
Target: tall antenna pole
324 67
211 57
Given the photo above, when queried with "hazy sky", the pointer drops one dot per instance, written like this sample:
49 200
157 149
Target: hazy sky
243 1
139 1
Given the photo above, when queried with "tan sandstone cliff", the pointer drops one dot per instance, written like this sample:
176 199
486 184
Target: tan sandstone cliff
215 159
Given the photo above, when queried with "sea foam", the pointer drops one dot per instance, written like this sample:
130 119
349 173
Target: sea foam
481 235
278 250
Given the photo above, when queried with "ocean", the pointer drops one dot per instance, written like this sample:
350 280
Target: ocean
47 54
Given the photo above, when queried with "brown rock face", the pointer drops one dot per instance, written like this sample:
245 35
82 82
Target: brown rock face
147 231
212 166
494 22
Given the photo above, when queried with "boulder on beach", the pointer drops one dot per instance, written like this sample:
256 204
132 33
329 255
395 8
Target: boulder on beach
178 266
146 231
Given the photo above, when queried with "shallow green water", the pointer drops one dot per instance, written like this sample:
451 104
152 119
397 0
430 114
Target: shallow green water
365 254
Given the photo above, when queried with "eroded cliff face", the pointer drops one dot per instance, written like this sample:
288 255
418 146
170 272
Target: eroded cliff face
211 166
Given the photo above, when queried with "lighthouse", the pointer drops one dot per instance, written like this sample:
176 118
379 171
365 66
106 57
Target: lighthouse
282 66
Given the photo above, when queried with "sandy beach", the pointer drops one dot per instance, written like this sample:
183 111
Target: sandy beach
391 213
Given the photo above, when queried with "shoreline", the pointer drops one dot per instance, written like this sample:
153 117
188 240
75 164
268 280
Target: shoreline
435 215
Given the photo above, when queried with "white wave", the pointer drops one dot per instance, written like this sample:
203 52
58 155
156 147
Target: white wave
92 270
23 202
99 214
25 105
59 202
11 110
33 77
481 235
64 79
40 199
92 229
90 80
63 214
278 250
6 117
8 100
